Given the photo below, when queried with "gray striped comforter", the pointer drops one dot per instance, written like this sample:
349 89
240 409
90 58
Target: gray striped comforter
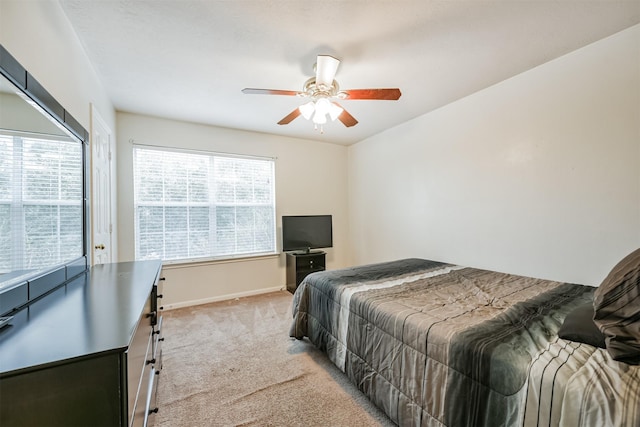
435 344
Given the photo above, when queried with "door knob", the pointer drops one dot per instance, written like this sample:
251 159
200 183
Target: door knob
99 246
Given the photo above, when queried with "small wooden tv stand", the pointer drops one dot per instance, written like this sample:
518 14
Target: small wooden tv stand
299 265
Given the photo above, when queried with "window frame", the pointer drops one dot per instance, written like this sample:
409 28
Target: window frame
211 204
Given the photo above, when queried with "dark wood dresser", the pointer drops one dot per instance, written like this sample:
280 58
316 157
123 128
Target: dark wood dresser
87 354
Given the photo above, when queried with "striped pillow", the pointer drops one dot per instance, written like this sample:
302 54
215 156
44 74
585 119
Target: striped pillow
617 309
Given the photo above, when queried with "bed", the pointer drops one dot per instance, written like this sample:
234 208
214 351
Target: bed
435 344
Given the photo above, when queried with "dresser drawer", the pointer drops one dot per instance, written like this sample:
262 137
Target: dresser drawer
156 299
138 358
152 398
157 345
141 410
311 262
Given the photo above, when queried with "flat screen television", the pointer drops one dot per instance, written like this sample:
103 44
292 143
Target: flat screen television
302 233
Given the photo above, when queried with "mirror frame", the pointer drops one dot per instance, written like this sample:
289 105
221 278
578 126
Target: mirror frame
46 280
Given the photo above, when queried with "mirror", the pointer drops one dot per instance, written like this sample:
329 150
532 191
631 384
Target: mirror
42 208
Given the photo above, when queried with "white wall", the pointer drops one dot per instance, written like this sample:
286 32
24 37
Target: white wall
38 34
538 175
310 179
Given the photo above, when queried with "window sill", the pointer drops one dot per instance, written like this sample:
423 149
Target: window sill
186 263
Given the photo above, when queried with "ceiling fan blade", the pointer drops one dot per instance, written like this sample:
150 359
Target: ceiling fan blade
289 118
382 94
347 119
326 67
253 91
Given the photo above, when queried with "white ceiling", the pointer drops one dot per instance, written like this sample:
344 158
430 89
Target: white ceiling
189 59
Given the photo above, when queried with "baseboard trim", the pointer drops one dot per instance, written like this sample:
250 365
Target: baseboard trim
191 303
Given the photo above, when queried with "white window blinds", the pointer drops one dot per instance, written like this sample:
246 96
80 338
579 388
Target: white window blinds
200 205
40 202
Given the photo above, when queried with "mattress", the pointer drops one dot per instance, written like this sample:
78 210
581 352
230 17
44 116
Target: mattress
435 344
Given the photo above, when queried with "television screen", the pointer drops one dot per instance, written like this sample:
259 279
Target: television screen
305 232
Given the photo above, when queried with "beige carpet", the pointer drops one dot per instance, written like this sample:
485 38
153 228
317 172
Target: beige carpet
232 363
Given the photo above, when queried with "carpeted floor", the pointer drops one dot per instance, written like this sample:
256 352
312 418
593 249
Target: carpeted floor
232 363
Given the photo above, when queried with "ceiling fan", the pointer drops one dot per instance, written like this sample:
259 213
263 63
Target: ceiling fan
321 91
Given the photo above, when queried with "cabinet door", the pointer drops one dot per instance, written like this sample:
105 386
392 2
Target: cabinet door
84 392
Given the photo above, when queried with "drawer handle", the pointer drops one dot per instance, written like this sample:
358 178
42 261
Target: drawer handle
156 332
159 296
161 339
151 361
153 411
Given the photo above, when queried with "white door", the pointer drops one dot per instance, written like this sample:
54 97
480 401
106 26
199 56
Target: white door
101 228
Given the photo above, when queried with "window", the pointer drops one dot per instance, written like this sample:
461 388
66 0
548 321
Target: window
41 212
192 205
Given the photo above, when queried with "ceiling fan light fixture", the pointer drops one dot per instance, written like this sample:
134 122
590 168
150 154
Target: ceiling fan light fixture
335 111
307 109
319 118
323 106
